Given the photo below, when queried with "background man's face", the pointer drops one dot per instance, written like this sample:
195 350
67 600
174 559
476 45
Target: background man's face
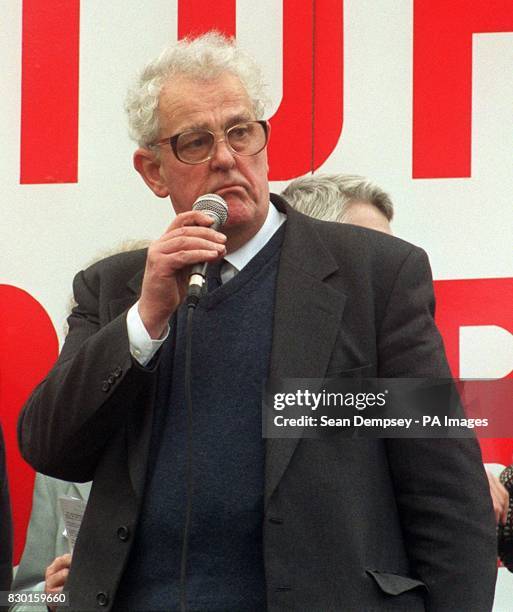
241 180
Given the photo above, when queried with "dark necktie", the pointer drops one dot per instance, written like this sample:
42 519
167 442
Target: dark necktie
214 275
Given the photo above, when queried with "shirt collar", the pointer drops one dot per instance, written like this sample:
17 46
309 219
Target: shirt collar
239 258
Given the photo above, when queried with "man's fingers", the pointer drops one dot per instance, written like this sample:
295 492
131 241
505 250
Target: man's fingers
500 498
504 515
183 259
503 505
187 243
56 581
59 563
500 507
57 573
190 218
195 230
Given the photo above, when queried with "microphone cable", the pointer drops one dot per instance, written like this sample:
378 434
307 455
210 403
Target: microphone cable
189 484
216 207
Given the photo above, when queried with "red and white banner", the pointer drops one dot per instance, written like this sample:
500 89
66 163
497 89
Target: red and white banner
414 94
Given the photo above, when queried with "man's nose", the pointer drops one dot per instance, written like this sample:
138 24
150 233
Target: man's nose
223 156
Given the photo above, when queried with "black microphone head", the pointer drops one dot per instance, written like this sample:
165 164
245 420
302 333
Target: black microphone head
213 205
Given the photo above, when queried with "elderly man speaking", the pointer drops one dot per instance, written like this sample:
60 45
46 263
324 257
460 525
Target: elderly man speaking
192 508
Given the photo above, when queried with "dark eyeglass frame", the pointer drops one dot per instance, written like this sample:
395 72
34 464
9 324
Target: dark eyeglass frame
173 140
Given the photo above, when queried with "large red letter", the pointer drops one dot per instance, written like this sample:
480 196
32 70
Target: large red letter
195 18
442 80
28 348
308 123
480 301
49 94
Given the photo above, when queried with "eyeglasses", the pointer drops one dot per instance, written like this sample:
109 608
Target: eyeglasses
198 146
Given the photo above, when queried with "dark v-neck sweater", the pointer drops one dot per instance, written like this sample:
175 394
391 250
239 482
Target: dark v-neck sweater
232 335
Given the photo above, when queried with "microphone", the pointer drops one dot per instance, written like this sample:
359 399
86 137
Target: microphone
215 207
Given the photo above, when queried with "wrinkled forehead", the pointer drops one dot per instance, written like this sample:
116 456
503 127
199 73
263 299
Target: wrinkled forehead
225 85
184 98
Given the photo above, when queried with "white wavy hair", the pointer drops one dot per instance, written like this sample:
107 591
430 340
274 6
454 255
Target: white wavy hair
202 58
329 196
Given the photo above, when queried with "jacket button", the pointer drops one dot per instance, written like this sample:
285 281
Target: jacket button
117 372
105 386
111 379
102 599
123 533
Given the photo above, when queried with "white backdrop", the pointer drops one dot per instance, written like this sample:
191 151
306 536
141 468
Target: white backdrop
50 231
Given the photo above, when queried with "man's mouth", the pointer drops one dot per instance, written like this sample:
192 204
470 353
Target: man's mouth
229 188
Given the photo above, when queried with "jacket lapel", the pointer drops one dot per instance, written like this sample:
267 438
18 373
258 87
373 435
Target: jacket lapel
308 311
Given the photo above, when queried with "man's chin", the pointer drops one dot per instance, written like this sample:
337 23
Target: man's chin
237 202
232 194
238 219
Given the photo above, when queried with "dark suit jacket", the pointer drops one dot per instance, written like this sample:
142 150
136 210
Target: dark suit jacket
350 525
5 524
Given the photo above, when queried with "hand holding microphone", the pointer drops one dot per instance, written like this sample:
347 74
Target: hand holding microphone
190 239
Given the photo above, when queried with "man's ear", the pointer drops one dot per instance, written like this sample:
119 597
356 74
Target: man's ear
148 166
